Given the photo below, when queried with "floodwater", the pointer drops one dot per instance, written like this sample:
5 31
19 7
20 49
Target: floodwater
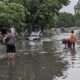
42 60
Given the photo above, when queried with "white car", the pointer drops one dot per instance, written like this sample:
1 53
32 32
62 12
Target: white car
35 36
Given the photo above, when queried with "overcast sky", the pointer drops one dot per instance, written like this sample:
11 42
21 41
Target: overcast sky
70 7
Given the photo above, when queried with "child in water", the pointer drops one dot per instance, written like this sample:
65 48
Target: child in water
66 41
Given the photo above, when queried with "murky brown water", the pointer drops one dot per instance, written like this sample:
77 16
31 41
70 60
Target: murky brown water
42 60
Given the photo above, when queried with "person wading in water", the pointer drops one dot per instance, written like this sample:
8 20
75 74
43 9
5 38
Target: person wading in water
9 40
72 39
66 42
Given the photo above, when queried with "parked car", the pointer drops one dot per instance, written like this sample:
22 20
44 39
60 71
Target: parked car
35 36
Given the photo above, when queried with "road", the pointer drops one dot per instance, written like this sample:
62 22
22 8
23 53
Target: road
42 60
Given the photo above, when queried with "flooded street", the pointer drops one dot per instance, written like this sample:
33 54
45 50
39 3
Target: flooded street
42 60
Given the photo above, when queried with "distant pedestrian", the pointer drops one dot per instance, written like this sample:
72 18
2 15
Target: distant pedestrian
72 39
9 40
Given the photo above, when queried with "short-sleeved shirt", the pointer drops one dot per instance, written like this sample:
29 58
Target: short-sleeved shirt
10 39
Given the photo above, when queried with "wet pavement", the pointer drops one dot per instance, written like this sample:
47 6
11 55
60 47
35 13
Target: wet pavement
42 60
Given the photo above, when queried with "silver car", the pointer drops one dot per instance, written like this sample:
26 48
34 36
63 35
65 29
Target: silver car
35 36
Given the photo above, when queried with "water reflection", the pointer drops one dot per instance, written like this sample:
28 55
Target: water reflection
73 57
39 67
36 60
11 71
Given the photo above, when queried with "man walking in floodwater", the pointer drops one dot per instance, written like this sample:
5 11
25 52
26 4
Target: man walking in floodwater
72 39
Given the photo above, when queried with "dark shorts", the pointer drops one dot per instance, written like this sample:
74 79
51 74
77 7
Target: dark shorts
73 44
11 48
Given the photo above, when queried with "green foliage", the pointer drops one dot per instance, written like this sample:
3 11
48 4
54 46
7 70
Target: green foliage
66 20
54 21
11 14
62 20
41 12
77 13
78 19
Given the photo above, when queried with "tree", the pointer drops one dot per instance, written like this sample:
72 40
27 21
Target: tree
42 13
11 14
66 20
77 13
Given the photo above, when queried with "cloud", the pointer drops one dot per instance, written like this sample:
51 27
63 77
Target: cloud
70 7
